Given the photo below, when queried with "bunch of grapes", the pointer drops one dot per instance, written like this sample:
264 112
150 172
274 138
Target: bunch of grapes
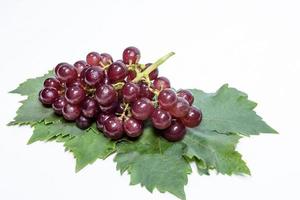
120 96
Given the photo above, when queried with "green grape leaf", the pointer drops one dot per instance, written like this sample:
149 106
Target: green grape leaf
33 85
45 132
215 151
88 147
229 111
154 163
32 111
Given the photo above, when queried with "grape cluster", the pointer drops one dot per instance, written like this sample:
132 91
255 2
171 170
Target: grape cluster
120 96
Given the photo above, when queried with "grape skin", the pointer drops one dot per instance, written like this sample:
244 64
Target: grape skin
167 98
106 95
117 71
193 118
71 112
175 132
48 95
132 127
161 83
113 128
83 122
142 109
89 107
131 55
181 108
161 119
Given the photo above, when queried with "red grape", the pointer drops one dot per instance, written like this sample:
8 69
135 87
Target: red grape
132 127
116 72
75 95
181 108
131 55
93 76
106 95
142 109
130 92
187 95
167 98
175 132
48 95
83 122
80 65
161 119
71 112
52 83
58 66
161 83
66 73
59 104
105 59
89 107
93 59
113 128
193 118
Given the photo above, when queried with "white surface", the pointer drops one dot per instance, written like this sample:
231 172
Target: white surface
252 45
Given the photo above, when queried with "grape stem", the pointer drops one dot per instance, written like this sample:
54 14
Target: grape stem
152 67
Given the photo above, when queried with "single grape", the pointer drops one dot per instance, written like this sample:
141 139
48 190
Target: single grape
110 108
83 122
167 98
175 132
154 74
101 118
131 75
58 66
187 95
66 73
106 95
80 65
193 118
131 55
52 83
71 112
93 76
130 92
116 72
48 95
161 119
105 59
145 91
93 59
142 109
132 127
59 104
113 128
161 83
181 108
75 95
89 107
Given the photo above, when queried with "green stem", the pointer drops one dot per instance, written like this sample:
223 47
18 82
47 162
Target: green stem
153 67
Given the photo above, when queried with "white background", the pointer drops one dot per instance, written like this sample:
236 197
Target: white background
252 45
